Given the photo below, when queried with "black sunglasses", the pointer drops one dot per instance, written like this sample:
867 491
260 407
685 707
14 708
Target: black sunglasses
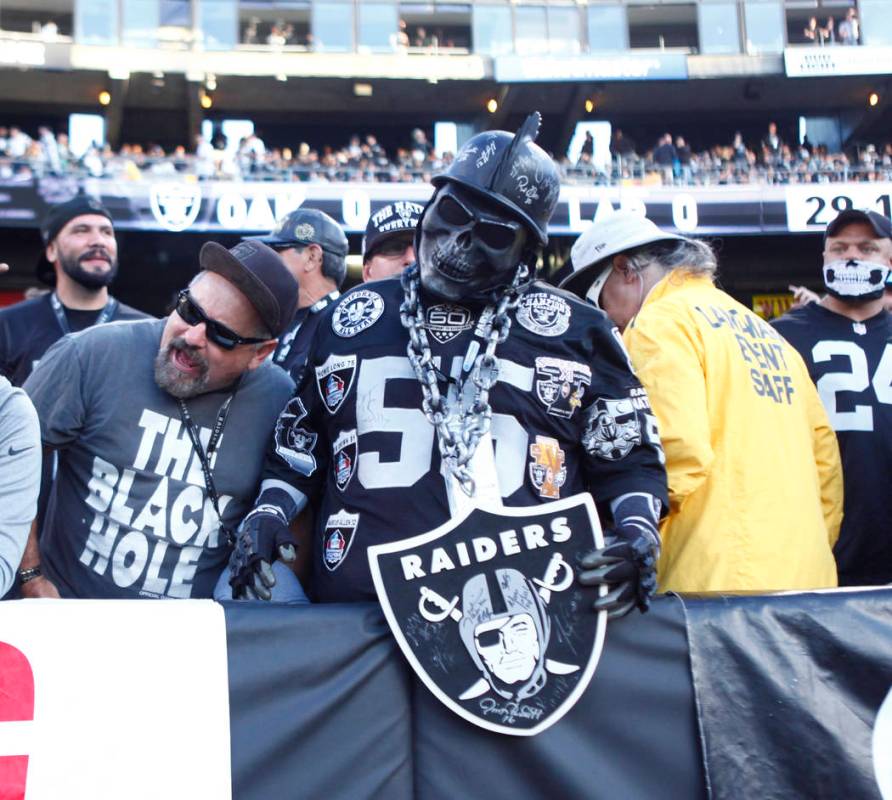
494 234
192 314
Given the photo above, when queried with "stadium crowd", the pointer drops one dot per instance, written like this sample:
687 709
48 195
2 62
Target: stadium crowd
670 160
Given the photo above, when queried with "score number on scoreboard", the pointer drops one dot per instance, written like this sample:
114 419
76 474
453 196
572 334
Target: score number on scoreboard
811 207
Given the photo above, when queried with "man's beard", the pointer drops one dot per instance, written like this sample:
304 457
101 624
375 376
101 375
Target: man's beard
171 379
71 266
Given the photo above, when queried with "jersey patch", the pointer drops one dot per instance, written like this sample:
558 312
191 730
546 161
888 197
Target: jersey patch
561 385
543 313
612 430
357 312
446 321
344 456
547 470
334 379
295 444
337 538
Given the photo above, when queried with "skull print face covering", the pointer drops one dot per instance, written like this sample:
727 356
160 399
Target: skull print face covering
854 280
468 246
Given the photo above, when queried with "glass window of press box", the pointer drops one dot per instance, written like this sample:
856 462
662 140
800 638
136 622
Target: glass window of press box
818 23
431 27
672 26
764 24
492 29
47 20
608 28
275 24
719 28
875 22
331 27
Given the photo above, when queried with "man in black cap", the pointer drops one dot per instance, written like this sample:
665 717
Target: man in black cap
314 248
845 340
80 259
162 426
388 246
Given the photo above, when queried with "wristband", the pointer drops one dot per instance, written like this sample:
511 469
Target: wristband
29 574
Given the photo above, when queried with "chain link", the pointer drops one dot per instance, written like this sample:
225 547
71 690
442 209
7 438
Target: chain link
459 427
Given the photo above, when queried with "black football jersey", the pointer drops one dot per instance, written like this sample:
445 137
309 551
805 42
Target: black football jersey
568 415
29 328
851 365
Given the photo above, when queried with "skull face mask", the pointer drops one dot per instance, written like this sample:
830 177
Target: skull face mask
855 280
468 245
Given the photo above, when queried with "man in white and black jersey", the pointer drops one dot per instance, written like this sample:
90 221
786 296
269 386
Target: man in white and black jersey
360 443
846 342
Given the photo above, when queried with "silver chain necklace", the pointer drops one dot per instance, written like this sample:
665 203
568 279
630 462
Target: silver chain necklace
459 427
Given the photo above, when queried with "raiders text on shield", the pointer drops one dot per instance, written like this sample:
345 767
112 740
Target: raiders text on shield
334 378
175 205
337 537
487 610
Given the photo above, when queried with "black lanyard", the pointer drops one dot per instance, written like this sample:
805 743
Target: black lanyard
59 310
205 457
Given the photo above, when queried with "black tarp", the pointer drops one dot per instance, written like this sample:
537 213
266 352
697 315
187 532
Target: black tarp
788 688
322 705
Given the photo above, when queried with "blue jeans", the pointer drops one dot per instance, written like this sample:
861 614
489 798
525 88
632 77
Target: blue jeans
287 588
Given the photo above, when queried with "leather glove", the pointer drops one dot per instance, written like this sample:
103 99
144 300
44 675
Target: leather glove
262 538
627 565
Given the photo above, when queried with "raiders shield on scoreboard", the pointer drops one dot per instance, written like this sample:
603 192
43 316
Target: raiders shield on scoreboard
488 611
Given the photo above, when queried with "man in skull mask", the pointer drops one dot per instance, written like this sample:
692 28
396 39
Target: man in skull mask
391 442
846 342
80 259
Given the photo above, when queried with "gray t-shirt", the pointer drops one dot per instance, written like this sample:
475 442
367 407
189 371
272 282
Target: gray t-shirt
129 514
19 477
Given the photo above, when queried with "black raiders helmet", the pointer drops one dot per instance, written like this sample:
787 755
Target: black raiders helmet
511 170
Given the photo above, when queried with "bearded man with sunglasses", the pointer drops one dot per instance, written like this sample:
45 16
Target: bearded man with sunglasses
161 428
391 430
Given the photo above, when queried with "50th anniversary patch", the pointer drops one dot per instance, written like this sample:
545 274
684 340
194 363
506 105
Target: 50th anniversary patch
488 612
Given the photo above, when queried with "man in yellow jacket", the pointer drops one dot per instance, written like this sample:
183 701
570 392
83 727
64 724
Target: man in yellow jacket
755 482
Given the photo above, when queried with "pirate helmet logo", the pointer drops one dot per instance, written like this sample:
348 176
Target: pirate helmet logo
488 612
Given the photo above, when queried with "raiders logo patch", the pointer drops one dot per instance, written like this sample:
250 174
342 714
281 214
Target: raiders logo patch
295 444
445 321
561 385
488 612
545 314
357 312
337 538
334 379
547 470
613 428
344 456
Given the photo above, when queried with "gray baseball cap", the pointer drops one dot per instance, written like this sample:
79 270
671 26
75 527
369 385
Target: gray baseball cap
305 226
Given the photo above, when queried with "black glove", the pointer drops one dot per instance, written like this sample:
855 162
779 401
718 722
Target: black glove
262 538
627 565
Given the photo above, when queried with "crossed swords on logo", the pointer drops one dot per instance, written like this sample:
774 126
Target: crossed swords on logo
436 608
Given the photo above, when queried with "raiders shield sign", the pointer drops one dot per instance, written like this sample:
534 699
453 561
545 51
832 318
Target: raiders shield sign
488 611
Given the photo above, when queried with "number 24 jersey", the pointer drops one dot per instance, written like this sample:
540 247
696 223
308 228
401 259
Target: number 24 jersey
851 365
568 415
